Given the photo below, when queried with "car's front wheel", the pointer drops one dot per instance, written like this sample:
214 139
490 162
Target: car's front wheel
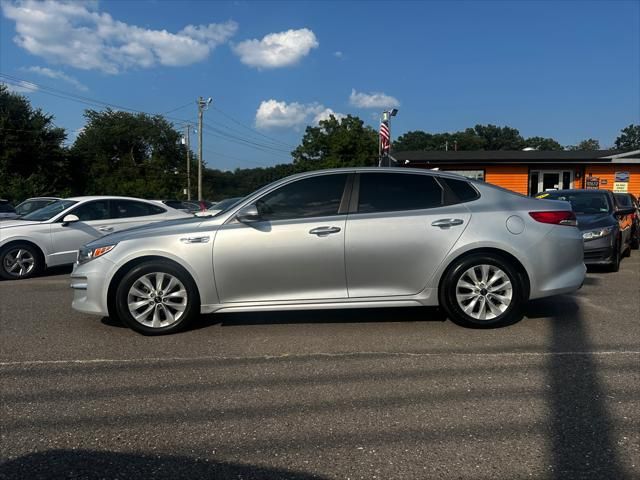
156 298
19 261
483 291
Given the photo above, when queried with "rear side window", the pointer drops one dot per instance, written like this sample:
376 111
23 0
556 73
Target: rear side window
130 208
310 197
463 191
388 192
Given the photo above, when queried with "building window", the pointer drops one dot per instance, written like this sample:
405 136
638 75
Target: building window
472 174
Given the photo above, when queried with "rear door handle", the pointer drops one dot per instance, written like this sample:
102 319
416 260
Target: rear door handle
323 231
447 222
105 229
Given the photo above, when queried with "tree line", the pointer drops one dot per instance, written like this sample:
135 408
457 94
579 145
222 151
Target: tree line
136 154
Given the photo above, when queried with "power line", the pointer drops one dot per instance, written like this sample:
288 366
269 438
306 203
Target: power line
253 130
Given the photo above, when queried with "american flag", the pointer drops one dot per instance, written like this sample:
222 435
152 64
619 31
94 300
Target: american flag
385 137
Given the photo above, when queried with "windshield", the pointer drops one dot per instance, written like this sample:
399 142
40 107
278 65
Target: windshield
30 206
50 211
226 204
586 203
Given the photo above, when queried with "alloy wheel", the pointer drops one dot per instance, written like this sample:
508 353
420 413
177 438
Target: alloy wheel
157 300
18 262
484 292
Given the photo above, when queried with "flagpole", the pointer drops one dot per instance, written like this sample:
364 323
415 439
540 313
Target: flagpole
379 145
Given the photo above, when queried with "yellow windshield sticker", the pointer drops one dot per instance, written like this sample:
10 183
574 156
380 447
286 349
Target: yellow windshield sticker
542 195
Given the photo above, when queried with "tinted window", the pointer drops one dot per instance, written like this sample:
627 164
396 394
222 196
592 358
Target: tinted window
97 210
312 197
174 204
461 189
130 208
6 207
623 200
31 206
386 192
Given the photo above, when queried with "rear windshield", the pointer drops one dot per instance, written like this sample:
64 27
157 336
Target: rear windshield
587 203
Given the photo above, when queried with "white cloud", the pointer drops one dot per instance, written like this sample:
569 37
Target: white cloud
276 114
372 100
338 54
326 113
76 34
58 75
20 86
277 49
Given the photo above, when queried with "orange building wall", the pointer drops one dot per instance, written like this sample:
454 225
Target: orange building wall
512 177
608 172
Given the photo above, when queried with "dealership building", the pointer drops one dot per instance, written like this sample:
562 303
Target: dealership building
532 171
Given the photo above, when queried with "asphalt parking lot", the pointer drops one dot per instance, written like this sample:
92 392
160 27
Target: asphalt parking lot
394 393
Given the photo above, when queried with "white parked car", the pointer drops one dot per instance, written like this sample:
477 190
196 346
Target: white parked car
52 235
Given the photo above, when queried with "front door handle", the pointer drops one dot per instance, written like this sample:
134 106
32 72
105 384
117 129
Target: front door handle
324 231
447 222
105 229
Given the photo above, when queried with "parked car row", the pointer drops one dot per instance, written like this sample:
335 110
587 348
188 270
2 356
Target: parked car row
52 235
608 222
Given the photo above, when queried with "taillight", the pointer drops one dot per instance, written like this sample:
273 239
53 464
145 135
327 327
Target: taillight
556 217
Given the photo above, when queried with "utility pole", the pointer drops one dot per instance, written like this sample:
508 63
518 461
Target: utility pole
188 127
202 106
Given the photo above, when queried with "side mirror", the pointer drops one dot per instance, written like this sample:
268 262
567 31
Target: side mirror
71 218
248 214
625 210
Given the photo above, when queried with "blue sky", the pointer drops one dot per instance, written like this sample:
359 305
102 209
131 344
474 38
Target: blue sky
568 70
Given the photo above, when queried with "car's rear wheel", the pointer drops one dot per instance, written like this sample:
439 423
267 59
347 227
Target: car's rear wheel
19 261
483 291
156 298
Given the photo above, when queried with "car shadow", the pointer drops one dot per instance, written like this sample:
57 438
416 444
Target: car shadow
90 465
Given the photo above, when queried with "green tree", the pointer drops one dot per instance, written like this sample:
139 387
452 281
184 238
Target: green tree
336 142
33 160
541 143
629 138
120 153
499 138
588 144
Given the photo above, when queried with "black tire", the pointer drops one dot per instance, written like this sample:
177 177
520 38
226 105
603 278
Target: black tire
614 266
635 241
448 286
148 270
30 261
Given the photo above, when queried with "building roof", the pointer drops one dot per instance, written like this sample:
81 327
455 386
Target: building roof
515 156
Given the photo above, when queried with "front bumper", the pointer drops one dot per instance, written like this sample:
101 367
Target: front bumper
599 252
89 283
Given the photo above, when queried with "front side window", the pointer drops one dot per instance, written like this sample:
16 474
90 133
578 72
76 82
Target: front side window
388 192
310 197
131 208
96 210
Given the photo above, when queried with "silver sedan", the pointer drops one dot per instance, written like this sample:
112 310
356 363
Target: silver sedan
343 238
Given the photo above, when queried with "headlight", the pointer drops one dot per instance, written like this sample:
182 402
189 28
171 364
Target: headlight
87 253
594 234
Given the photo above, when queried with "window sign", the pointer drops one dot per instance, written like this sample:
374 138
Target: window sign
621 187
592 183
